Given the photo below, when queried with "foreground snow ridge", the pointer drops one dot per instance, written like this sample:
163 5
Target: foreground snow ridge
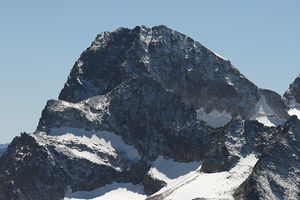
219 185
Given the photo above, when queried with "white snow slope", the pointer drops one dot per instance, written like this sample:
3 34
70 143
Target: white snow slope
114 191
167 169
294 108
106 141
68 140
184 181
209 185
294 111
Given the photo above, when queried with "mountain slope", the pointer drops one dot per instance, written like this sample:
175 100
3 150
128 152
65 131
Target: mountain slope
151 113
277 173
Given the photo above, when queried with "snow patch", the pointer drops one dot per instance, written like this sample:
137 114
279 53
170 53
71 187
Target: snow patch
170 90
107 141
219 56
214 119
114 191
60 106
219 185
145 60
92 142
98 102
79 63
146 39
89 156
265 115
166 169
79 81
73 147
267 121
294 111
228 81
93 108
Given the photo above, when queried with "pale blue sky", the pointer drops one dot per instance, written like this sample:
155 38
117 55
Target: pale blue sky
41 40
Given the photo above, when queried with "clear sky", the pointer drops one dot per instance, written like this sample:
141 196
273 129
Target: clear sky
41 40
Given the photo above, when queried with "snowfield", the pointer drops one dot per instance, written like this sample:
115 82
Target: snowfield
114 191
167 169
70 141
209 185
107 141
184 181
294 111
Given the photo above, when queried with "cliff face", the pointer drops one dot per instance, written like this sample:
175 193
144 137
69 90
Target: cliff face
153 109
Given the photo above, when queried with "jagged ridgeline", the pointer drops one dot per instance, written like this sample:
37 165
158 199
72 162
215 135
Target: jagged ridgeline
149 113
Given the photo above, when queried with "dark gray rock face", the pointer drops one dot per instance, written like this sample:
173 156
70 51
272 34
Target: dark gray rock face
292 95
38 167
22 177
277 173
178 63
155 121
137 91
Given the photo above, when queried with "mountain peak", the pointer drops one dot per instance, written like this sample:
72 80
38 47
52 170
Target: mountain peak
156 112
202 78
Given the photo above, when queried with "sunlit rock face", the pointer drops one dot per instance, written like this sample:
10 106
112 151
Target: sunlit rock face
149 113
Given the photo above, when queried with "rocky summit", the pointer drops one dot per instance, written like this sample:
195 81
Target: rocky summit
149 113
